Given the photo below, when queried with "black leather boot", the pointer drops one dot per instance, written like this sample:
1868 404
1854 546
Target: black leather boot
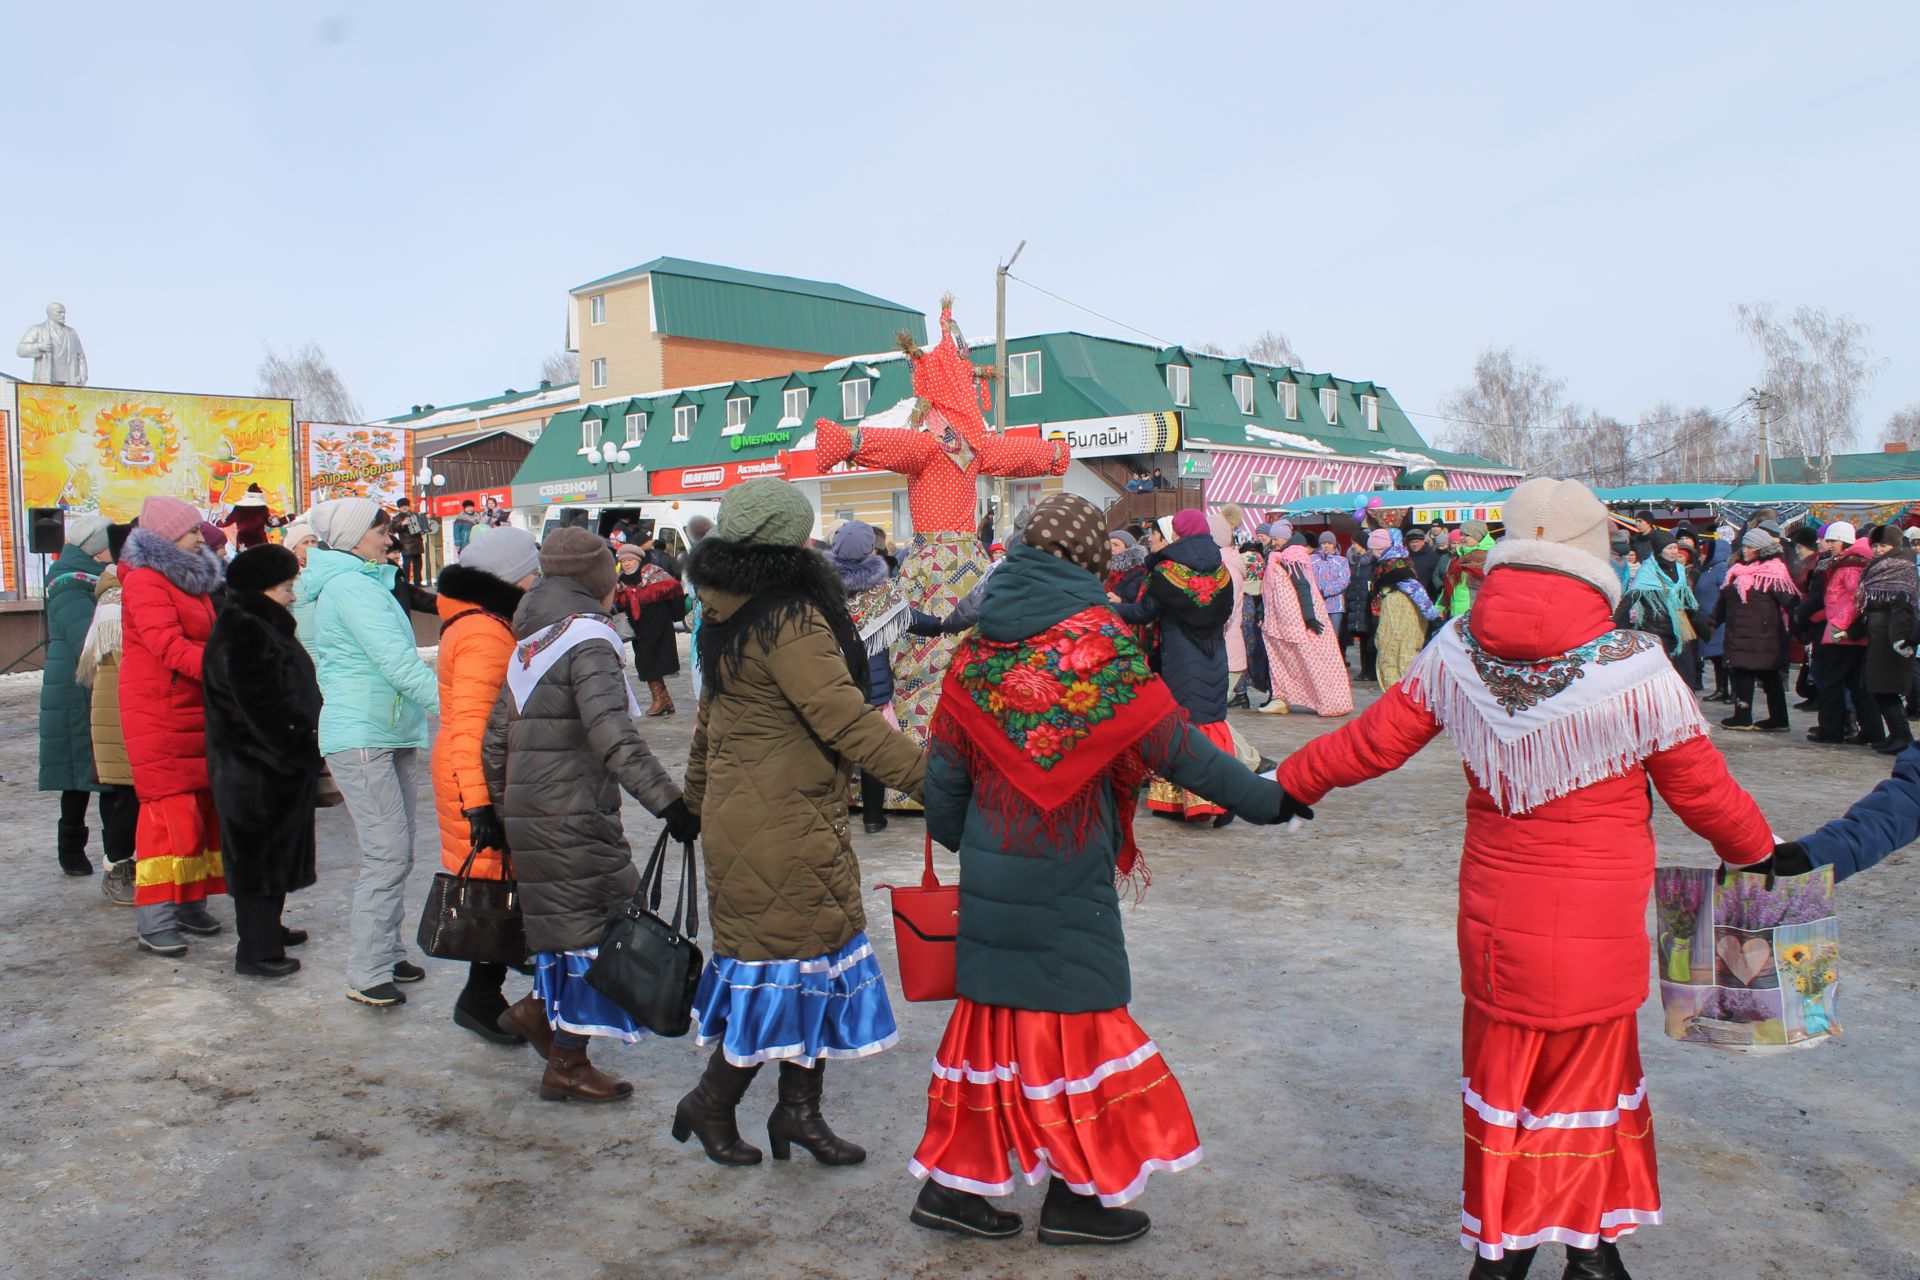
941 1208
1587 1264
796 1118
1611 1252
72 837
873 804
1067 1217
1511 1266
708 1111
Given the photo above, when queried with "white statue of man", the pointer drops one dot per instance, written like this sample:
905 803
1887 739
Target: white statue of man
55 350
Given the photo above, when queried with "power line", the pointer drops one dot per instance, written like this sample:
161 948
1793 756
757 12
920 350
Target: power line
1090 311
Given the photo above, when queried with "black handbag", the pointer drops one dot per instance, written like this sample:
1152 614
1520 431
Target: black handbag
474 920
646 965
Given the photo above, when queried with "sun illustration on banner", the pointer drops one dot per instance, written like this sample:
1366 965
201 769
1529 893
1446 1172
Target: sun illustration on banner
137 438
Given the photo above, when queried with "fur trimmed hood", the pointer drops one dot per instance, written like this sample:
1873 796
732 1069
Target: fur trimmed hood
861 575
1127 561
198 573
1558 557
752 568
480 589
750 591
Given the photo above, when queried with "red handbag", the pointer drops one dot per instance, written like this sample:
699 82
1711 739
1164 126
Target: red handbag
926 927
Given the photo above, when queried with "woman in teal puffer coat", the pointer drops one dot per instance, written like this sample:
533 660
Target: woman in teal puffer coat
66 730
1049 723
373 726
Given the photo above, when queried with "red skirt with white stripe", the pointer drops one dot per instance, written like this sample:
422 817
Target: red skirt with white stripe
1559 1136
1083 1097
1168 797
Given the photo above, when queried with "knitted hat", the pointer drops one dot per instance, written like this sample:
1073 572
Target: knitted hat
1471 531
1758 540
296 533
1913 534
1278 530
698 527
1558 525
854 542
168 518
87 532
1416 532
1839 531
1379 540
1328 538
1190 523
214 536
1126 539
580 554
342 522
261 567
507 553
1074 530
767 510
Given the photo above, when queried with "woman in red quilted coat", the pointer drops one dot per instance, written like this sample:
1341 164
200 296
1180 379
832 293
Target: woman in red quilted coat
1561 721
167 579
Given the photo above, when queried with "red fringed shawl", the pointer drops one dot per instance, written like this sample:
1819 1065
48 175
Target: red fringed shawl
1042 724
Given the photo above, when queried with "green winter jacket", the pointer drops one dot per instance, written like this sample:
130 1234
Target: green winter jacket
1040 927
378 693
66 707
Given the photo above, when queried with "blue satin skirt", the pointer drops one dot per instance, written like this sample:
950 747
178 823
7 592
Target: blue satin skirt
560 980
832 1006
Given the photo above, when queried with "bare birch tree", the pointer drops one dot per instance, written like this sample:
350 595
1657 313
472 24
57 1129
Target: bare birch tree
305 376
1903 428
1270 346
1506 412
1816 367
560 368
1693 445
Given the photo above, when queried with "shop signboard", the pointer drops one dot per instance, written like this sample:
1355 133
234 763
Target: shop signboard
673 481
1132 433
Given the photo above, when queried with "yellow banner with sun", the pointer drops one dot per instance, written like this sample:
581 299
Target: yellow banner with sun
106 450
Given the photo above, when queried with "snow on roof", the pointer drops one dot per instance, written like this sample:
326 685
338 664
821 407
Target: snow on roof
1287 439
1405 458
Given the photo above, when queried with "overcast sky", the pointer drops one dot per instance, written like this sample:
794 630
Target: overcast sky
415 186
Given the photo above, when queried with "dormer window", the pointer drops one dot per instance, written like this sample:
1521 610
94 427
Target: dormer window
1243 392
854 395
738 407
1179 384
793 403
1330 405
1370 411
636 429
1289 393
590 434
683 418
1023 374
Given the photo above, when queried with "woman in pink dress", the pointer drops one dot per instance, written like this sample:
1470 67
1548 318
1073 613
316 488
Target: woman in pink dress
1303 648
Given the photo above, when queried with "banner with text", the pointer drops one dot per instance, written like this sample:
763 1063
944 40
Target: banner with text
341 460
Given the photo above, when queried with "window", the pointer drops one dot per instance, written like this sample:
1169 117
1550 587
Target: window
853 397
600 371
793 403
737 409
1318 486
636 428
683 421
590 435
1330 406
1370 410
1178 378
597 308
1289 400
1243 392
1023 374
1266 486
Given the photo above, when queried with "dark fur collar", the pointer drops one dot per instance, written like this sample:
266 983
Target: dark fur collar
256 604
861 575
196 573
480 589
751 568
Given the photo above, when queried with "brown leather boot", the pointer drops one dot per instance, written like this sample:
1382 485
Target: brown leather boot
527 1017
662 702
570 1077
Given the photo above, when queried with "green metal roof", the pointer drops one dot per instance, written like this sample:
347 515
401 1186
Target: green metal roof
488 402
725 304
1853 467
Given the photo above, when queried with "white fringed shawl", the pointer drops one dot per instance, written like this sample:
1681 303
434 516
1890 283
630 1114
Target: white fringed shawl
1535 731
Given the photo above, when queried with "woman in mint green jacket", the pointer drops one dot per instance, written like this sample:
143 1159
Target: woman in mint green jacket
373 726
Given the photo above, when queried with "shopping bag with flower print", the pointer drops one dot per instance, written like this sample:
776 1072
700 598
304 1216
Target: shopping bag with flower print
1748 962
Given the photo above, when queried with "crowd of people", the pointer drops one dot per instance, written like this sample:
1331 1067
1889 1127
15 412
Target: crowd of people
214 704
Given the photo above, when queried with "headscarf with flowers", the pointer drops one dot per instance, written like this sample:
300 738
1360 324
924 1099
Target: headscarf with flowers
1192 587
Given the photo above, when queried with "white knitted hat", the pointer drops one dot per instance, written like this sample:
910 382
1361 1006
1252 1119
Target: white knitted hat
1558 525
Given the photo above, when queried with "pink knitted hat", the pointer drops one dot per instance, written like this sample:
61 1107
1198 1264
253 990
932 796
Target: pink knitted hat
167 517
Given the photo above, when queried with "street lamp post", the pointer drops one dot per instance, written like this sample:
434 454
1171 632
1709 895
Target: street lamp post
610 455
427 480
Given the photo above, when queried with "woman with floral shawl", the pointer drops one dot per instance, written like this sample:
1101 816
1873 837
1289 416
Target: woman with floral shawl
1402 610
1303 647
1660 601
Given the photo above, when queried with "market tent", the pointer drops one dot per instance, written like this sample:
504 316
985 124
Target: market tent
1387 499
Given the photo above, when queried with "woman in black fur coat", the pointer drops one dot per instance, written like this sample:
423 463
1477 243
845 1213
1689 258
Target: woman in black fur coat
263 754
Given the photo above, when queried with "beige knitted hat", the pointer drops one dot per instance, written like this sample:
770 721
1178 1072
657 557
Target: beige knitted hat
1558 525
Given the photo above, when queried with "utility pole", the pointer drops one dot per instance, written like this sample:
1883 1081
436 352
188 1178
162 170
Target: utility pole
1000 338
1763 466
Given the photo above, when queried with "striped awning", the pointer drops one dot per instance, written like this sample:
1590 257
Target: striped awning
1257 479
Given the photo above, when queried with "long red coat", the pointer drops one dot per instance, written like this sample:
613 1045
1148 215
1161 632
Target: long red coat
1553 901
164 632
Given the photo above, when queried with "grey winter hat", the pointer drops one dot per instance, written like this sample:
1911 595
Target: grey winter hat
767 510
88 532
854 541
342 522
1758 540
582 555
1126 539
507 553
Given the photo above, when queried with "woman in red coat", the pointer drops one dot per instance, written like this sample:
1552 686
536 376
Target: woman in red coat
167 578
1561 721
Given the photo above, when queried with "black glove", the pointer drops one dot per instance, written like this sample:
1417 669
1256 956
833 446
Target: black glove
1291 808
1788 859
484 829
683 824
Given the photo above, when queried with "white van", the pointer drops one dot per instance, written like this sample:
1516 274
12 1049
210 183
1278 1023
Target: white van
665 520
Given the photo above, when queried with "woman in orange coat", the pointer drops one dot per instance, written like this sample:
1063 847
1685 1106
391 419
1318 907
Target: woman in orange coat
477 599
